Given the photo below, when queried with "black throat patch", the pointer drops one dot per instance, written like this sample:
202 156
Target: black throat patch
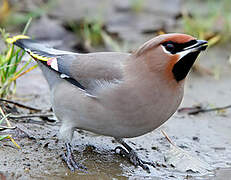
183 66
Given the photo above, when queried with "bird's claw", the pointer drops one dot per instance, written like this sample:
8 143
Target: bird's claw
133 158
68 158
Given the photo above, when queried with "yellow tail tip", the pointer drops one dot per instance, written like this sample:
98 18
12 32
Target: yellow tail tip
15 38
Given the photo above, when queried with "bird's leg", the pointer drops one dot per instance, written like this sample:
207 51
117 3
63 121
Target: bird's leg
129 153
68 158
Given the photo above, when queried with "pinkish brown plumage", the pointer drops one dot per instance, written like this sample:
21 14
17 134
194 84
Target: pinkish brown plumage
118 94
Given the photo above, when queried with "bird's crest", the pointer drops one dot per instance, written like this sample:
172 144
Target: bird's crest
175 37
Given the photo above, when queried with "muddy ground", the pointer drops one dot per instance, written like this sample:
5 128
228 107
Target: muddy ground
206 136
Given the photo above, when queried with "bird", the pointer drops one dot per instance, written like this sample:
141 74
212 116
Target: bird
122 95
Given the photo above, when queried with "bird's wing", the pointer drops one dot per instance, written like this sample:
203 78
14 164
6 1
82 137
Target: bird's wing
86 71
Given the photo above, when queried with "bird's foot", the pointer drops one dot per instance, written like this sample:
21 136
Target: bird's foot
68 158
132 156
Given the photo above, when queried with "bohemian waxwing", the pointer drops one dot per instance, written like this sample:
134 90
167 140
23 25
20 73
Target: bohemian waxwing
116 94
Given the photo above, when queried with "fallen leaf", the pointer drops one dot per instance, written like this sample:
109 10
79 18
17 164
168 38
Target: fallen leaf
183 161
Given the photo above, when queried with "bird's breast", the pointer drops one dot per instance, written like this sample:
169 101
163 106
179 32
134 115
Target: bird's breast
135 112
124 112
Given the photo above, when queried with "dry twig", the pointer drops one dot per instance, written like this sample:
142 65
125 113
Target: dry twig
20 116
167 137
199 109
21 105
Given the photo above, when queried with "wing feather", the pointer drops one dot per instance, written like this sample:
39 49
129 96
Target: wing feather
86 71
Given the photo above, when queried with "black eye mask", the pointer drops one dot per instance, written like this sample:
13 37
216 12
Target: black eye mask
174 47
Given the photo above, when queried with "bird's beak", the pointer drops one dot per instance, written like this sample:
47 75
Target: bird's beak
201 45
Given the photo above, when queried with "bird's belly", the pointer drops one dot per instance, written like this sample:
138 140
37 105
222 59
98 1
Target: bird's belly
134 124
115 118
122 124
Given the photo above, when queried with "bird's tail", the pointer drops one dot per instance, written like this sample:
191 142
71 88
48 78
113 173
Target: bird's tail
36 49
40 52
47 58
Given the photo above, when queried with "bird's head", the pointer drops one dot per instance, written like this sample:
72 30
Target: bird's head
173 54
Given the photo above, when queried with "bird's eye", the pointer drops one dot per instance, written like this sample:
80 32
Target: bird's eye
169 47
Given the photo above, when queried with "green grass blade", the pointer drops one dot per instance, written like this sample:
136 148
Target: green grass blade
27 25
22 68
4 137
